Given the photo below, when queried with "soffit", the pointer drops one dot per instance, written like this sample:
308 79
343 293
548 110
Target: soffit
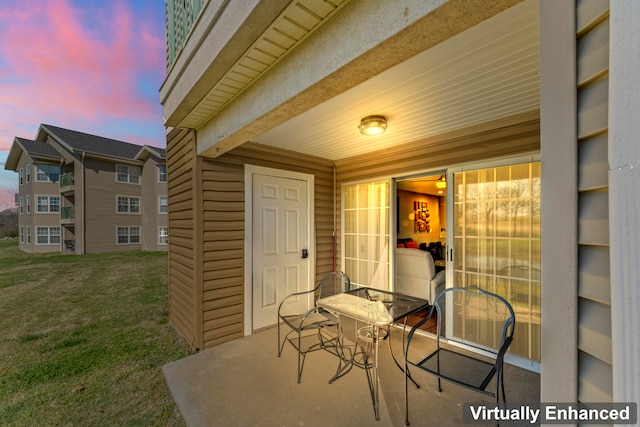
488 72
300 19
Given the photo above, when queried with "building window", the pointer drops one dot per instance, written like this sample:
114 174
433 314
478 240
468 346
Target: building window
48 204
28 204
21 176
162 173
127 235
28 234
21 234
129 174
47 173
28 170
163 235
21 205
128 204
48 235
162 208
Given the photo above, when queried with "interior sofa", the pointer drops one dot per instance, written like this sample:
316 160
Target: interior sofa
416 274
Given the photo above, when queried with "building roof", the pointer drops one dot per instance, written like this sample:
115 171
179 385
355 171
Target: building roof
148 150
38 151
80 142
77 143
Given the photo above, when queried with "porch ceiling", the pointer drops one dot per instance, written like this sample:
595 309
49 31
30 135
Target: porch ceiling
488 72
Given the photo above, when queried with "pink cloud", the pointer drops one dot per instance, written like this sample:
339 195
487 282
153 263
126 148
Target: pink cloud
77 68
7 198
90 65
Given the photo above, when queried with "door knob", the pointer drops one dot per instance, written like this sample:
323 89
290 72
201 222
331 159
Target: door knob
305 253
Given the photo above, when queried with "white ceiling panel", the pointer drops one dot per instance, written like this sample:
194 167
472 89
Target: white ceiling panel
488 72
296 23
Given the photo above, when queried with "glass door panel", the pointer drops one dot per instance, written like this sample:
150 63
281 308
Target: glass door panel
497 247
366 233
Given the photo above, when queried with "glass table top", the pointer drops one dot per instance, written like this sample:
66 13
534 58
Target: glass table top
372 305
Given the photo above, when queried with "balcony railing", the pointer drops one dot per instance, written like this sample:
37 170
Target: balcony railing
67 212
66 180
181 16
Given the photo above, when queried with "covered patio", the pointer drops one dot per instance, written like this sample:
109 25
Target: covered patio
244 383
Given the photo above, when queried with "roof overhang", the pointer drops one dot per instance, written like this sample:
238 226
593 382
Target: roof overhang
246 39
14 156
15 152
147 151
430 68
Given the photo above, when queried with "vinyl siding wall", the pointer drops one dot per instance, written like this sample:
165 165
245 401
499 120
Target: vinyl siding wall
223 231
184 278
206 233
510 136
594 303
101 192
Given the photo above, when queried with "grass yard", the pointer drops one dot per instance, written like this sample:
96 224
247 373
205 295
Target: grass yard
83 339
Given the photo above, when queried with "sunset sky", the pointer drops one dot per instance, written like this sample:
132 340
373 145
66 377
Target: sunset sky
93 66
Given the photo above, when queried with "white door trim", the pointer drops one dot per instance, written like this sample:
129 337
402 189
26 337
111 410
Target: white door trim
249 171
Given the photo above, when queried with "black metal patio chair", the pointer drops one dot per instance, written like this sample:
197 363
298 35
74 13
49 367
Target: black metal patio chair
310 327
473 317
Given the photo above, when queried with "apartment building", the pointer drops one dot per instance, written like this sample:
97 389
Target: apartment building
85 193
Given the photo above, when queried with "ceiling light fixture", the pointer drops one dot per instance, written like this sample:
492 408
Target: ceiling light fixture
373 125
441 183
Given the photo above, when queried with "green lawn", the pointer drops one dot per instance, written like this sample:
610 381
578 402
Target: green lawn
83 339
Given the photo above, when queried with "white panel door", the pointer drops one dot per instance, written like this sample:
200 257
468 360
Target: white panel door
280 234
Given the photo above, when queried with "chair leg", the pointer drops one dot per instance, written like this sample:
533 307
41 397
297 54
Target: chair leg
279 346
283 342
406 393
299 356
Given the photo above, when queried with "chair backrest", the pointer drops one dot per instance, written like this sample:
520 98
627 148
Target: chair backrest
333 283
415 270
474 317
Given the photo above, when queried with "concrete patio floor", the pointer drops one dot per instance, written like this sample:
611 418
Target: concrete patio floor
244 383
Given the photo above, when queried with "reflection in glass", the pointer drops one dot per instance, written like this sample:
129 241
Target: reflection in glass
497 243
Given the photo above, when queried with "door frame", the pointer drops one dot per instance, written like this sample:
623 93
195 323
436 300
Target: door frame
249 171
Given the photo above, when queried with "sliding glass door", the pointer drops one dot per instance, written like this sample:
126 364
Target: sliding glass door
496 245
493 241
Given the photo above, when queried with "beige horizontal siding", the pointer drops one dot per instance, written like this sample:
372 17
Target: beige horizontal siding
594 330
593 220
594 285
183 289
594 275
101 216
223 231
595 382
593 167
503 137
